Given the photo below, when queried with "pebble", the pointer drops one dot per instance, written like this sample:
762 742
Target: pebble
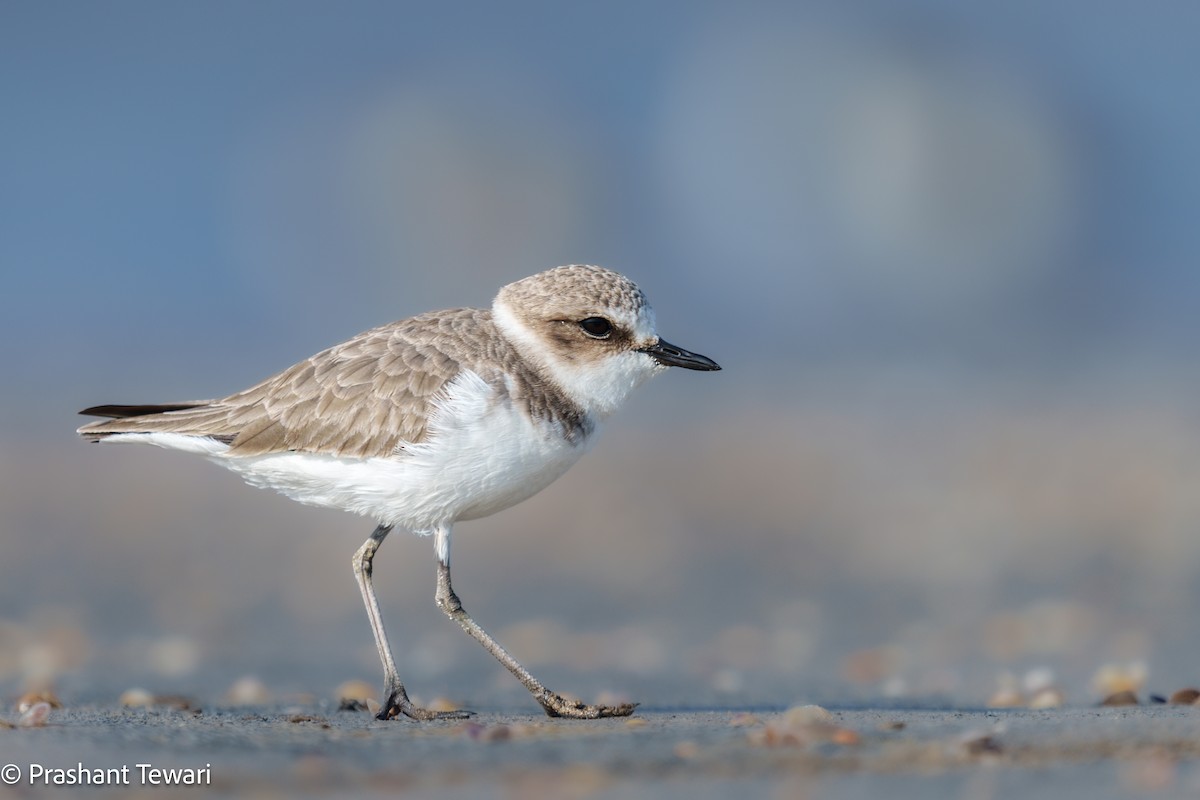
984 744
1123 698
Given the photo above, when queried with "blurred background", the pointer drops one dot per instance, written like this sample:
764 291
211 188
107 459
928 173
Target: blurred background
946 254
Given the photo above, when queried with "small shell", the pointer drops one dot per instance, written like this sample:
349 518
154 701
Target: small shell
175 701
801 726
687 750
497 733
744 719
477 731
35 716
1037 680
248 691
1046 698
354 690
1112 679
1006 698
845 736
799 716
1008 693
1185 697
136 698
27 700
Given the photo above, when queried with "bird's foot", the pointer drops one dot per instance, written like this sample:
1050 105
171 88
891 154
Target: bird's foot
398 703
559 706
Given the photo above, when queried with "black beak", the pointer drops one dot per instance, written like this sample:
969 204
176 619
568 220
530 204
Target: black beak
671 356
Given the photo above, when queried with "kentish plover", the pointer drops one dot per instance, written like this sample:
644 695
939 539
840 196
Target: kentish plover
446 416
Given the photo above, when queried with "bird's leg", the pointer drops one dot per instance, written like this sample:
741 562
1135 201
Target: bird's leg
396 700
554 704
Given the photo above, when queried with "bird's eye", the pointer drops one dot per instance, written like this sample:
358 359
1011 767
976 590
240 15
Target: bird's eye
596 327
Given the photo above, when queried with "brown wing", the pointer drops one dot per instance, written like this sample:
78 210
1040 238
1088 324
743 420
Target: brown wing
362 398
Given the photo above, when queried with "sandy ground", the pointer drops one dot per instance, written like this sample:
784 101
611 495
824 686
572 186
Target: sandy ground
319 751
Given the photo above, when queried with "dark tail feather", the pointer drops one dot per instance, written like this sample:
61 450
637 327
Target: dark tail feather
121 412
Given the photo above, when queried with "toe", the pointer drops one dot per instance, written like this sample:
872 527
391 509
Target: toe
558 706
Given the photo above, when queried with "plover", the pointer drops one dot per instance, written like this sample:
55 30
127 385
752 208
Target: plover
447 416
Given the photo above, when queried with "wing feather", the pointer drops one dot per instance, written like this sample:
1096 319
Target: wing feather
365 397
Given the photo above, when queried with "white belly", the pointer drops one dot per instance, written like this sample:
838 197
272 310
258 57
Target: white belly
482 456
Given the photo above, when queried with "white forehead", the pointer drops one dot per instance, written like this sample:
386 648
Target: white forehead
637 319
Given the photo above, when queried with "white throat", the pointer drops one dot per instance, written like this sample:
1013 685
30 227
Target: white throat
598 387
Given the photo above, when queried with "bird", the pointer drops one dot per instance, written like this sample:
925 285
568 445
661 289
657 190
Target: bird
431 420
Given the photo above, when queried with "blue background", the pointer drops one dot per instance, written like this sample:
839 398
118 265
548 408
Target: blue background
946 252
